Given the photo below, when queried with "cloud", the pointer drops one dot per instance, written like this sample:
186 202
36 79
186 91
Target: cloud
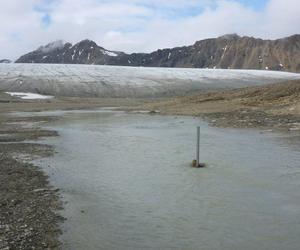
139 25
281 18
52 46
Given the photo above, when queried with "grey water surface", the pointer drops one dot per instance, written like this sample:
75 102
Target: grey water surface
128 184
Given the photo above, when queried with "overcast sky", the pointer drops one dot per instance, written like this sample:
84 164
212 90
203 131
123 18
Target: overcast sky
140 25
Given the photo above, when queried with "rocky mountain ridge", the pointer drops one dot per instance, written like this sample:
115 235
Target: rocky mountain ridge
5 61
225 52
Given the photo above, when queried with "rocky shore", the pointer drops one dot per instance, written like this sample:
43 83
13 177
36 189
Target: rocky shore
29 206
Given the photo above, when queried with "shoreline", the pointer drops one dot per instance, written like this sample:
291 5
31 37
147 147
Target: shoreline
29 205
273 107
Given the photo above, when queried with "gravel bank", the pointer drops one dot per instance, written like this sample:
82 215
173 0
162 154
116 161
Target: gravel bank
29 206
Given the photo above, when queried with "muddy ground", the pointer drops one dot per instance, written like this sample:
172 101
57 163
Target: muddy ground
10 104
273 107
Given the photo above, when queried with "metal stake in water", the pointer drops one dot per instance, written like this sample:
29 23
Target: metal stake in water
198 146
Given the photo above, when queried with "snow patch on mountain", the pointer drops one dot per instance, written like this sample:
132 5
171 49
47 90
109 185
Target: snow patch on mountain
109 53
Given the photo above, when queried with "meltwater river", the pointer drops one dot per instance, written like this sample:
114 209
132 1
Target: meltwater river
128 184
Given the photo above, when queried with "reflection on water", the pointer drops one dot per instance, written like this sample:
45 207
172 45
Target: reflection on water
128 184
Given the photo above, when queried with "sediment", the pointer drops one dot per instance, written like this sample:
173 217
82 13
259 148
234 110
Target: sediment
29 205
274 106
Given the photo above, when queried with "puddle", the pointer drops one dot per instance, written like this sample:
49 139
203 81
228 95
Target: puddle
128 184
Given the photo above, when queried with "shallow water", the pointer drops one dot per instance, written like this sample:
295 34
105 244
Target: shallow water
128 184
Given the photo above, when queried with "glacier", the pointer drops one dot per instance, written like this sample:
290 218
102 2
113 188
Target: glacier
119 81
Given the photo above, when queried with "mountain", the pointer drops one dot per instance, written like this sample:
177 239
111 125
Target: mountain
5 61
228 51
84 52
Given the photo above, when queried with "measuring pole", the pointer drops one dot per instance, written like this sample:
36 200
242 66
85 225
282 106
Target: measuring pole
198 145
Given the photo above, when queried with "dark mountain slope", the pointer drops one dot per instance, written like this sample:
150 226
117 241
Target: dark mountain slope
229 51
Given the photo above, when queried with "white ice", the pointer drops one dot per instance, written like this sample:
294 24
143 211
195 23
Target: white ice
29 96
119 81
